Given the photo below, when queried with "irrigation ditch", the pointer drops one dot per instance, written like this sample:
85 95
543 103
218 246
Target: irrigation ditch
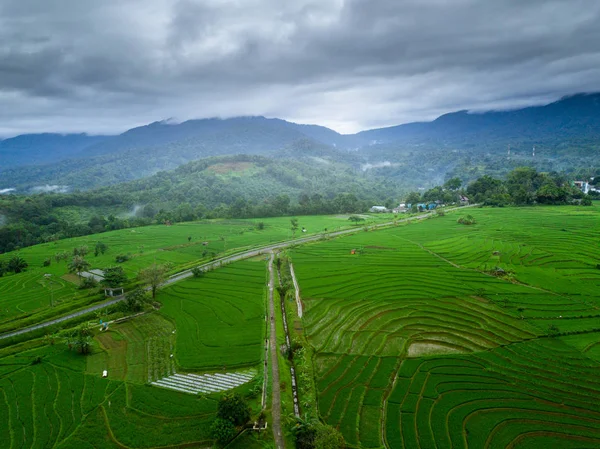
288 349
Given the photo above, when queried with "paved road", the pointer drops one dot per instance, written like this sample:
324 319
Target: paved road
276 393
218 262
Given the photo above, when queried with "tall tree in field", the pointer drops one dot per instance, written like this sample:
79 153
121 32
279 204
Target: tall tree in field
81 338
294 223
78 264
154 276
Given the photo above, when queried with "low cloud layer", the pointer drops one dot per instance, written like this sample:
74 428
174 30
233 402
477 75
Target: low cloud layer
103 67
50 188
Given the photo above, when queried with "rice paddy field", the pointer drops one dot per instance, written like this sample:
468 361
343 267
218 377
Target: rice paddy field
219 318
437 334
425 335
212 326
29 293
55 403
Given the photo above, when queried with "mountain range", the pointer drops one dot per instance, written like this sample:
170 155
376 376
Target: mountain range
568 128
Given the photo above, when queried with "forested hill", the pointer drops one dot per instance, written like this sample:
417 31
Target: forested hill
468 145
31 149
143 151
218 186
571 121
248 135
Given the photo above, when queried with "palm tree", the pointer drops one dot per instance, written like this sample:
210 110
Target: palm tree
17 264
81 338
78 264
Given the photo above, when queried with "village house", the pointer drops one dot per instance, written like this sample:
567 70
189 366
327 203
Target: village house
400 209
582 185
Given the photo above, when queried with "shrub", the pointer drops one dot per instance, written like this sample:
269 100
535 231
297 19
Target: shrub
329 437
260 226
122 258
197 272
47 262
355 218
314 435
81 251
467 220
234 408
100 248
222 430
135 300
553 330
88 283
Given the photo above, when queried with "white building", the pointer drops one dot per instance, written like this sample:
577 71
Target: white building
379 209
583 186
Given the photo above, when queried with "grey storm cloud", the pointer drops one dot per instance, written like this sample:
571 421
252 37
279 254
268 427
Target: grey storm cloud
103 67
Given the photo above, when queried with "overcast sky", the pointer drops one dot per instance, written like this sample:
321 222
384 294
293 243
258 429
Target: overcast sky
106 66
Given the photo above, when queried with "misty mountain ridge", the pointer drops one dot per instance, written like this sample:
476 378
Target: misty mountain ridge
576 115
569 125
33 149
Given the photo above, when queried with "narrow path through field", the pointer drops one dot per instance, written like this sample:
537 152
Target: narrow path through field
276 402
217 263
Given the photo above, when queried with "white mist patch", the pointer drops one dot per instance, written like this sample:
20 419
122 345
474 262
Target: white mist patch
5 191
50 188
135 210
320 160
368 166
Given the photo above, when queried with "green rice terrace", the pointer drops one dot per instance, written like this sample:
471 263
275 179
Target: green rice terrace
437 334
424 334
25 299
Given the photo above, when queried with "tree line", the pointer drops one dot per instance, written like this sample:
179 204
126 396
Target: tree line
522 186
34 219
